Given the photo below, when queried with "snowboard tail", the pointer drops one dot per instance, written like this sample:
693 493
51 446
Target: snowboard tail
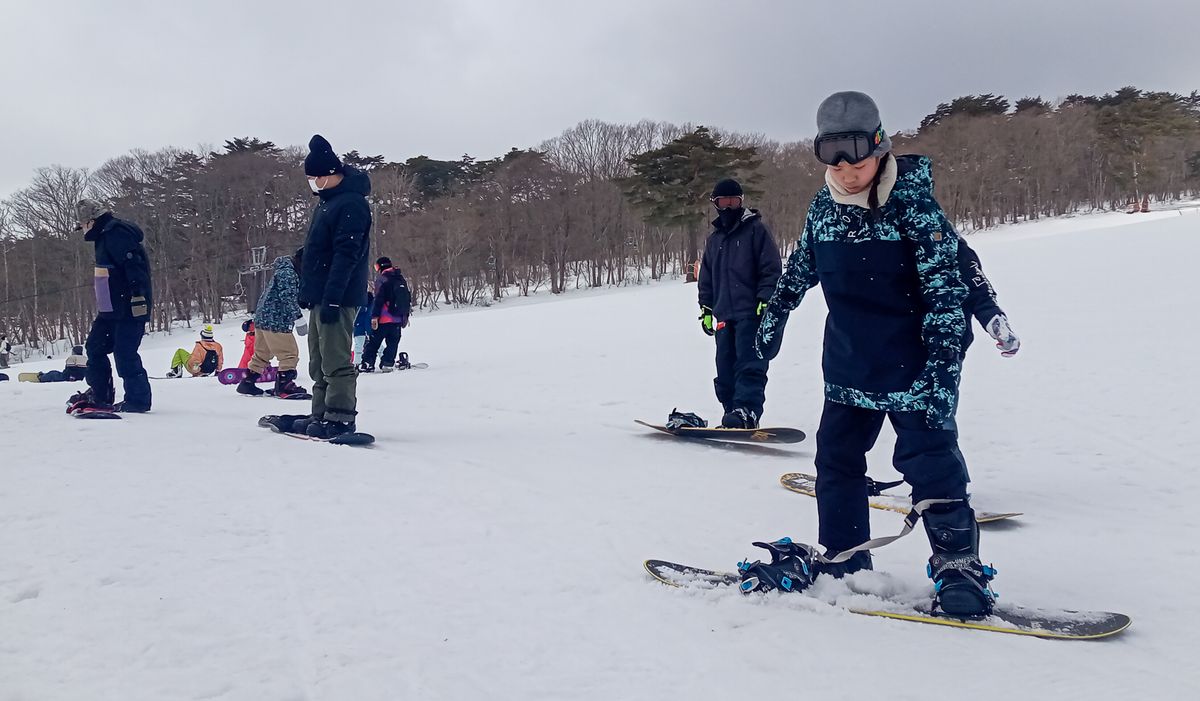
1016 620
802 483
741 435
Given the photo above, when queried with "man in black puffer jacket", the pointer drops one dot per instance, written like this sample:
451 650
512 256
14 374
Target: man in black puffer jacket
738 273
123 303
333 284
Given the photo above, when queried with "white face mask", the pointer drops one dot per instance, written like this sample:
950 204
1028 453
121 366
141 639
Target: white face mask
312 183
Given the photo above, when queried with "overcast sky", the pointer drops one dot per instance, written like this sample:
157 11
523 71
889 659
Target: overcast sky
83 81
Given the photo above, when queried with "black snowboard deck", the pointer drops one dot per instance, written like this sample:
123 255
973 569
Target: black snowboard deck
1015 620
740 435
806 484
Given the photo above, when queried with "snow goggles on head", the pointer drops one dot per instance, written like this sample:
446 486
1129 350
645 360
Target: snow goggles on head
849 146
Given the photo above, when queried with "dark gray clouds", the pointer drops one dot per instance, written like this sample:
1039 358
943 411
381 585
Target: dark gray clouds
84 81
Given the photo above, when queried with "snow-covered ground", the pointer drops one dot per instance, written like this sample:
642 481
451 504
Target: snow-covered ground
490 545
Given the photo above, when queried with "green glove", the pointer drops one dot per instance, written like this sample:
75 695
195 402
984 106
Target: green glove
706 320
762 307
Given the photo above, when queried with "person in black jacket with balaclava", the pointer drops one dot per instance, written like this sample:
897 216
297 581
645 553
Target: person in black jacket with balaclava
333 284
738 273
123 303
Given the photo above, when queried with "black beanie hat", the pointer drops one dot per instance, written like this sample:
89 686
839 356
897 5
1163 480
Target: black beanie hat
727 188
320 160
384 262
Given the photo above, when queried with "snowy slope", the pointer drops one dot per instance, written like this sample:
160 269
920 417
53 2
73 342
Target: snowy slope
490 546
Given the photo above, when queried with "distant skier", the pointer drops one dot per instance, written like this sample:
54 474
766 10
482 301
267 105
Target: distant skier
5 350
278 310
877 242
389 314
207 357
737 276
123 302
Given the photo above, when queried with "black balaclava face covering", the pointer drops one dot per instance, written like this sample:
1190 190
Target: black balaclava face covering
730 216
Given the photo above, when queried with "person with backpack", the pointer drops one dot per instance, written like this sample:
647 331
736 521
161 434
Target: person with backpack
278 310
124 298
207 357
389 314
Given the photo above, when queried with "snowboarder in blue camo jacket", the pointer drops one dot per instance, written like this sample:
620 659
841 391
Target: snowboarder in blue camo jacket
886 258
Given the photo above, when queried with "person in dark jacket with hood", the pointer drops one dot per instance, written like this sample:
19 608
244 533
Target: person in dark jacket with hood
738 273
389 314
887 259
123 303
333 284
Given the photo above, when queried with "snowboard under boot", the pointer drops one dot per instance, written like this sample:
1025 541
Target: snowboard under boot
960 580
790 569
285 384
329 429
248 387
740 418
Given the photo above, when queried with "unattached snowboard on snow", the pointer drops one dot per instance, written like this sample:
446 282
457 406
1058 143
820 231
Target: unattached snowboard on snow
277 422
232 376
1018 620
741 435
802 483
28 377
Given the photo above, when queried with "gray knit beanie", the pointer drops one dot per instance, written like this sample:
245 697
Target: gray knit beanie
851 111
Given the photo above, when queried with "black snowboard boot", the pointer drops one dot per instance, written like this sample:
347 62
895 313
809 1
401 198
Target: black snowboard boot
329 429
790 569
960 580
858 561
248 384
285 384
124 407
364 366
740 418
89 399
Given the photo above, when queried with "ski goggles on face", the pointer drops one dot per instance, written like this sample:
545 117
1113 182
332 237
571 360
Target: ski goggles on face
727 202
849 146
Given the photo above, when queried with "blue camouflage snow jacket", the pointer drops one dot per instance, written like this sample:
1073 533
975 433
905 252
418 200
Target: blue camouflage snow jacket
278 307
894 333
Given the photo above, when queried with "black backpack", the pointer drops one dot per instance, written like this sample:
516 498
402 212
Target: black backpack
399 297
209 364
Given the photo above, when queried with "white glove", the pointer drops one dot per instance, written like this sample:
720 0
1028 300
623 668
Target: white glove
1006 340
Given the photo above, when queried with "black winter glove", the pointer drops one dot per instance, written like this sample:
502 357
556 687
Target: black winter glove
769 337
330 313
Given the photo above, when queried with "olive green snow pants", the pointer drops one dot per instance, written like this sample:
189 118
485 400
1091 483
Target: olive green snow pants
335 379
